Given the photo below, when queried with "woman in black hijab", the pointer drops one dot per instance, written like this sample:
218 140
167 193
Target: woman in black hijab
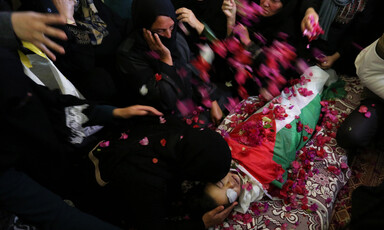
154 60
148 165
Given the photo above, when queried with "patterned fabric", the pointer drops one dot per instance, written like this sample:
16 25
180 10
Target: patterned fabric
347 13
327 13
322 187
75 118
97 29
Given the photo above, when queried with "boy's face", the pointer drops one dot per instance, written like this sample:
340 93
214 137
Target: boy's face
218 191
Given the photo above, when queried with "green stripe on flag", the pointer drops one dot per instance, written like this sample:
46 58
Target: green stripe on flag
289 141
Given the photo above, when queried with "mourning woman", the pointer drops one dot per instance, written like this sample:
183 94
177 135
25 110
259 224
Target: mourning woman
154 62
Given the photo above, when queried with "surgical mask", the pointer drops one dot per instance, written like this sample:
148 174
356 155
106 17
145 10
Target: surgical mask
232 195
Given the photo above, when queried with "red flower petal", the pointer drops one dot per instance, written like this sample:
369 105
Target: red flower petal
363 109
158 77
163 142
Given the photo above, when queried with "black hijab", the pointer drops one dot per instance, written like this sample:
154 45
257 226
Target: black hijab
186 153
144 14
204 155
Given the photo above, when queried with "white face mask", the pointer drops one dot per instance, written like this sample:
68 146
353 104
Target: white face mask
232 195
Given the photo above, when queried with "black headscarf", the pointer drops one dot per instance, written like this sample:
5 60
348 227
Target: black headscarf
204 155
144 14
186 153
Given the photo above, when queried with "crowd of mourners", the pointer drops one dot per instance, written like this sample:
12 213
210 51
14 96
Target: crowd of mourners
109 108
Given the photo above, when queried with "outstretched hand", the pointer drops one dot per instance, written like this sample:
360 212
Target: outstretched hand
217 215
33 27
135 110
155 44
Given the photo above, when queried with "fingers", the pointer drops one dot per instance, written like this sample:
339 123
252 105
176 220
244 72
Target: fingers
149 38
182 13
53 32
158 41
53 19
149 109
186 15
183 10
48 42
153 40
217 210
45 50
228 4
225 213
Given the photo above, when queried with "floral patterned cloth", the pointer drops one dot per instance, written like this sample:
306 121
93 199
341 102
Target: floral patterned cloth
323 175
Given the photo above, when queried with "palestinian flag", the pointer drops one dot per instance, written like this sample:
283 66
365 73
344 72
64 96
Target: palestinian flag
266 143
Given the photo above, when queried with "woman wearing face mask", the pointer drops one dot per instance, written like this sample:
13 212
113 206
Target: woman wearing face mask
154 61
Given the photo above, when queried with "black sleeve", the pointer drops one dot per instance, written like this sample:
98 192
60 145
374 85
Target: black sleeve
7 36
305 4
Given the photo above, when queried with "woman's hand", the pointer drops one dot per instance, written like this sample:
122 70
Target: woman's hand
187 16
328 61
229 9
135 110
33 27
66 8
216 113
156 45
217 215
310 18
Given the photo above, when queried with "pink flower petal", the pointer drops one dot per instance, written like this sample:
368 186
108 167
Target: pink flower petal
124 136
104 144
144 141
162 120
